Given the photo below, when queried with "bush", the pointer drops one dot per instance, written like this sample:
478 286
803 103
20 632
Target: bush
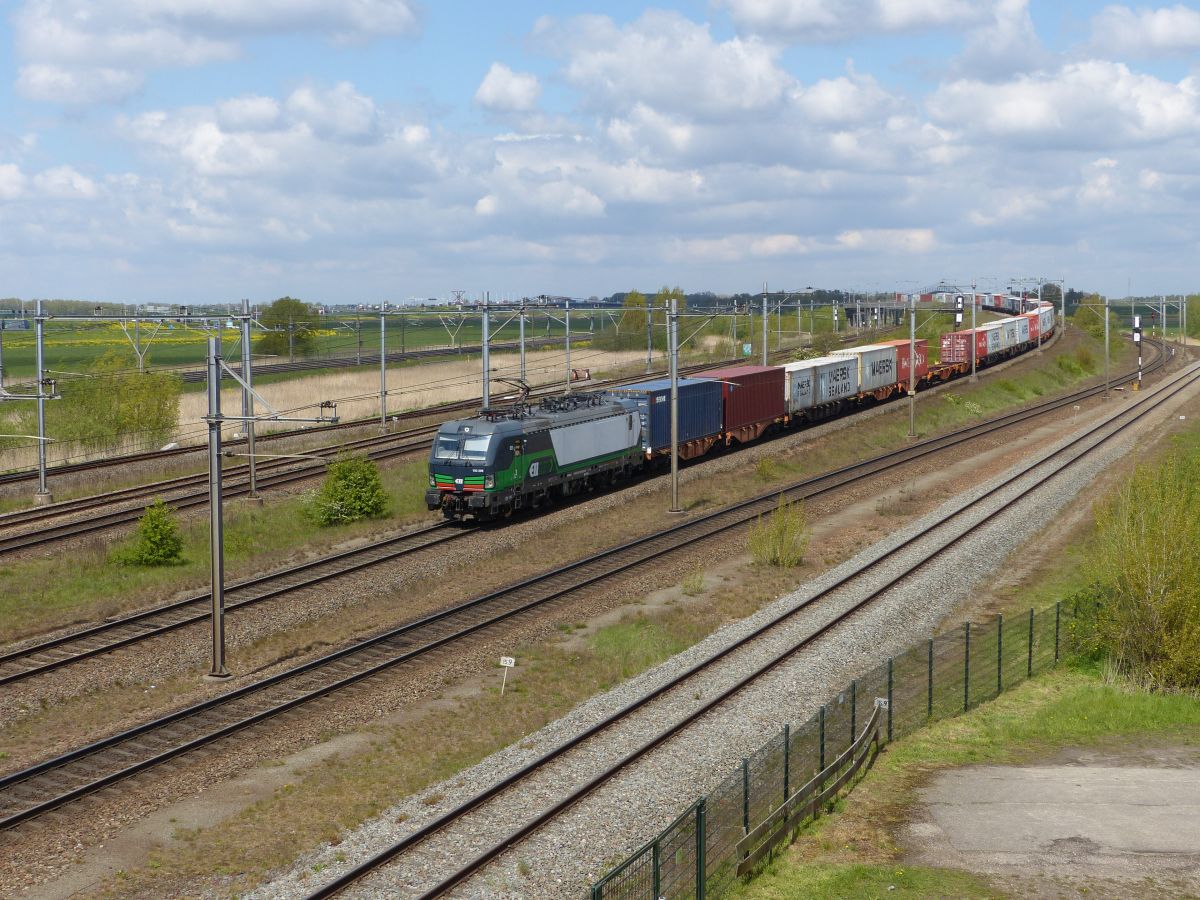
1145 557
352 491
158 543
110 404
781 538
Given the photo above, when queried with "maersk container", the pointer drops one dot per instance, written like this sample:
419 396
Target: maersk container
1046 320
876 365
1023 334
699 410
1011 336
903 354
837 379
800 379
993 333
753 397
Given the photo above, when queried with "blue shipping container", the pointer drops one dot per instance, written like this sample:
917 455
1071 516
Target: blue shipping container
699 409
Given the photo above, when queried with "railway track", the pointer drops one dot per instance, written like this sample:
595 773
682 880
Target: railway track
104 637
47 656
491 804
57 781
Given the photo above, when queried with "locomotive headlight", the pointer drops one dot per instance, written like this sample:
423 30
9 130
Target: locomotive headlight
489 481
432 482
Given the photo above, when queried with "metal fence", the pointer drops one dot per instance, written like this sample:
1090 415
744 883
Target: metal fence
794 775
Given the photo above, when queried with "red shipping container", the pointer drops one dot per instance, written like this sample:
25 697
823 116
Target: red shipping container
1034 328
956 346
754 397
902 358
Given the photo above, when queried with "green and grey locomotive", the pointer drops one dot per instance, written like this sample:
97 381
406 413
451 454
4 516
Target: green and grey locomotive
503 460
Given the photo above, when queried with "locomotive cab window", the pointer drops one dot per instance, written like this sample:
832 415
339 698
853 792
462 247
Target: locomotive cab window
446 447
475 447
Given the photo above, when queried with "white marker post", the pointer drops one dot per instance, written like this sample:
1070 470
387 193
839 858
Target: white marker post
507 662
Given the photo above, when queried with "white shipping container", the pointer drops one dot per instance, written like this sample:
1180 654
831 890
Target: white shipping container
995 336
837 379
1022 330
877 365
799 379
1046 318
1011 336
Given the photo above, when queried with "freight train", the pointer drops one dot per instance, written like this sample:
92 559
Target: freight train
525 456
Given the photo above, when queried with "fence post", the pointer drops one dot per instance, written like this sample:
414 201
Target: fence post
745 795
853 710
889 700
656 859
598 892
701 868
821 722
1029 667
787 759
929 696
1057 622
966 666
999 654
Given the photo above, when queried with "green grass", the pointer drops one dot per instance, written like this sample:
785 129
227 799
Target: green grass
784 881
1070 707
75 346
43 593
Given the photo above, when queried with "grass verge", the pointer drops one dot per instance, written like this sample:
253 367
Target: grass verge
1066 708
39 594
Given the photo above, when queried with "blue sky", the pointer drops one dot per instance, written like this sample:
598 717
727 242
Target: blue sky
197 151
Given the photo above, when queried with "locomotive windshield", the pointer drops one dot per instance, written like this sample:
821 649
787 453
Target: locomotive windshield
473 448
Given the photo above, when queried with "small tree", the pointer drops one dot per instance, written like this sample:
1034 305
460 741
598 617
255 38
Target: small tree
159 542
781 538
352 491
291 322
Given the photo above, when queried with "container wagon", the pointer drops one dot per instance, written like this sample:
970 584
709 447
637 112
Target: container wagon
700 416
753 400
817 388
904 354
878 373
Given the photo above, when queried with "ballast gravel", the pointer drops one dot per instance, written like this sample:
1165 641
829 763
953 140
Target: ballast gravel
561 859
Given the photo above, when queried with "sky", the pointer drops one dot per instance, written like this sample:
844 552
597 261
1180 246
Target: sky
370 150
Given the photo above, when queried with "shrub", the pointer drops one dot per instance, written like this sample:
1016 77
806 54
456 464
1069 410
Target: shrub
158 542
352 491
1145 558
781 538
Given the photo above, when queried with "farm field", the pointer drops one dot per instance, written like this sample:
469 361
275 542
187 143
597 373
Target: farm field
76 346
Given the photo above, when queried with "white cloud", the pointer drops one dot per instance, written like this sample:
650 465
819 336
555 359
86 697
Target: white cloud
249 113
504 90
12 181
667 63
64 183
78 52
77 87
1146 32
889 240
1094 103
812 21
339 112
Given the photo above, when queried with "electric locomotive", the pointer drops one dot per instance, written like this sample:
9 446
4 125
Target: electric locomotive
503 460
